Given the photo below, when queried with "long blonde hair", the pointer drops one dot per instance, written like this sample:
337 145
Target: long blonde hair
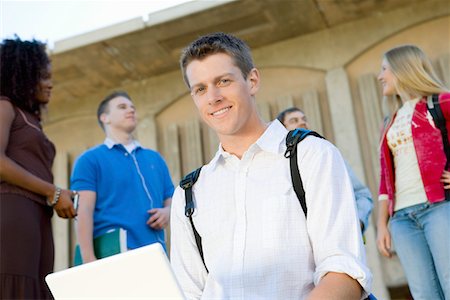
414 75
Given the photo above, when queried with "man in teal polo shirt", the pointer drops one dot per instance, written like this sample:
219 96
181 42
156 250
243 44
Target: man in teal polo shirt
121 184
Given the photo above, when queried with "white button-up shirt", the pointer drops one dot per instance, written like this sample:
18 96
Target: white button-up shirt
257 243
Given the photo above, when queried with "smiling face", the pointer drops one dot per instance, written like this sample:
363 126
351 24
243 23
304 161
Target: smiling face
44 87
120 115
224 98
387 79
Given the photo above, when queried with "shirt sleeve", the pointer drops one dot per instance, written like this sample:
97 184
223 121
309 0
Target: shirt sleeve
84 175
332 222
363 197
184 256
382 189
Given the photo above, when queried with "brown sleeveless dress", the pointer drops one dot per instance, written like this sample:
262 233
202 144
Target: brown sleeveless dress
26 241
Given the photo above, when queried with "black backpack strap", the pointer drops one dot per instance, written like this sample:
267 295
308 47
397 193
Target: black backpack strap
186 184
436 112
292 139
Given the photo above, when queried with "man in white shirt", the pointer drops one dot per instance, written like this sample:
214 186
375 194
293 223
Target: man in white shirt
257 242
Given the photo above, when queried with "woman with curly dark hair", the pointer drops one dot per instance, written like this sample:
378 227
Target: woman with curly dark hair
27 194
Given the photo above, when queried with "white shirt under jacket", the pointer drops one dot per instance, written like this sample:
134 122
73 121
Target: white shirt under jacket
256 241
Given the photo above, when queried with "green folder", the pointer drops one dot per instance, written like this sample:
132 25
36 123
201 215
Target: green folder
112 242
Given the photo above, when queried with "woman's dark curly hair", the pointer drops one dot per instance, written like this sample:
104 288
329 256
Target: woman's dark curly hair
22 64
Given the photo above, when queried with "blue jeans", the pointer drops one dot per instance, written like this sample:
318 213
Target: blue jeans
421 235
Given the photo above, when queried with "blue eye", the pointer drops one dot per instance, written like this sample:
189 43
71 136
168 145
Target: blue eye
198 91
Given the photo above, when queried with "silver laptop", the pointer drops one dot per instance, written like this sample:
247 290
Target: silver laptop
143 273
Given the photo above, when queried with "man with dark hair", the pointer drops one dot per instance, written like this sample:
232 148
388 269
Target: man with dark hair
293 118
256 241
121 184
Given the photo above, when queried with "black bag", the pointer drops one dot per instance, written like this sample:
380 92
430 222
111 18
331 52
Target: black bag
439 120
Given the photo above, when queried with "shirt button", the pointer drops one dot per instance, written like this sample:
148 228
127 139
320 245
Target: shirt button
126 154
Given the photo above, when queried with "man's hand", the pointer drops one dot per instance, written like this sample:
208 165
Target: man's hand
159 218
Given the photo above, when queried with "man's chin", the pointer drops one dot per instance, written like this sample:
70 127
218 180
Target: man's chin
130 129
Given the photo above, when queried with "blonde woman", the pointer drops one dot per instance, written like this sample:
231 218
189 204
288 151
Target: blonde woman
413 176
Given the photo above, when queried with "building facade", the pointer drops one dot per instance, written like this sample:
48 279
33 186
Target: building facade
322 56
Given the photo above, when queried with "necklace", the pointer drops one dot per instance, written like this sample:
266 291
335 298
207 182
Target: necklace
26 120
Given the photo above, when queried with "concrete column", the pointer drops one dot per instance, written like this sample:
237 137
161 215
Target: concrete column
146 132
369 93
284 102
311 107
191 145
172 152
73 155
343 119
374 262
61 230
211 143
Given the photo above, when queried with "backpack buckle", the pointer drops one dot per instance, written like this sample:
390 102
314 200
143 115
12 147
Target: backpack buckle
189 209
291 142
188 181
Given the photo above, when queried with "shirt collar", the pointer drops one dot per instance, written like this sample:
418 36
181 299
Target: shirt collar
220 155
109 142
272 140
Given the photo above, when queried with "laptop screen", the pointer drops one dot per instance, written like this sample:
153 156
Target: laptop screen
141 273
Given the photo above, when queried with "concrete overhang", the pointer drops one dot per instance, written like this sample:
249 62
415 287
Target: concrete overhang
137 49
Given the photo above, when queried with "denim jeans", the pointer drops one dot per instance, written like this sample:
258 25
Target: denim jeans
421 235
